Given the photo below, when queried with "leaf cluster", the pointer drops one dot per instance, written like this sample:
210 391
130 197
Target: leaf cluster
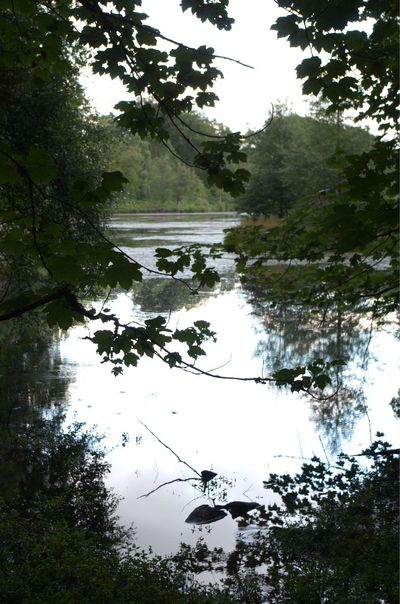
353 66
126 344
313 375
310 542
51 208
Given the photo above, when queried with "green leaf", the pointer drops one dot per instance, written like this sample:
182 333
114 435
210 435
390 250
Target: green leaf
65 268
145 36
338 363
309 67
195 352
173 359
104 339
216 12
131 359
156 323
283 376
322 380
286 26
93 36
120 270
162 252
59 315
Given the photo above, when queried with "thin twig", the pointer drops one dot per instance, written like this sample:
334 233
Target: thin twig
323 448
162 139
377 453
106 300
221 366
166 483
323 398
158 34
34 229
364 362
298 438
312 459
169 449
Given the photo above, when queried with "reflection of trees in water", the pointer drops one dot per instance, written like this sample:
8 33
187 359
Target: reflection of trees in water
31 369
296 335
164 295
31 383
395 404
336 417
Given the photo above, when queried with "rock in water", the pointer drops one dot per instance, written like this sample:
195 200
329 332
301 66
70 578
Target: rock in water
239 508
204 514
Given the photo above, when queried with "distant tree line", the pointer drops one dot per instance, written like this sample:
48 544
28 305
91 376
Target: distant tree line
157 181
295 157
292 158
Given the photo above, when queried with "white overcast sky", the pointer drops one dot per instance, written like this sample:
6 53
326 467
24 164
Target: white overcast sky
245 95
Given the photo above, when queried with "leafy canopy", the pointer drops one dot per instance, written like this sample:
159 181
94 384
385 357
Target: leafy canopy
346 236
43 42
50 206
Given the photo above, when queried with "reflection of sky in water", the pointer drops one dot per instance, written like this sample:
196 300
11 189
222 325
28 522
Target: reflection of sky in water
184 229
140 235
235 428
241 430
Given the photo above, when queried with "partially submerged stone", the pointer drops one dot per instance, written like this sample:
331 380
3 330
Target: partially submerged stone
240 508
205 514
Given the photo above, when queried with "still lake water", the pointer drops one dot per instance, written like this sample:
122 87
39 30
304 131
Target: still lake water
242 431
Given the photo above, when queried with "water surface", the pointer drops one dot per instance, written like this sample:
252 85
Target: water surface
243 431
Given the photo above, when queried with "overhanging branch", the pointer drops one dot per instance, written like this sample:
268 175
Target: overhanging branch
60 292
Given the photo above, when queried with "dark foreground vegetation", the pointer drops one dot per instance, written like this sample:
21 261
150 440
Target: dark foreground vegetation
61 541
59 535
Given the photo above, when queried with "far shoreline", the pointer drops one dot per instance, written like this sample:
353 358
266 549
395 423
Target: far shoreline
115 212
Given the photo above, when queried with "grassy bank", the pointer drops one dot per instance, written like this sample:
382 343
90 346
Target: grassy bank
139 206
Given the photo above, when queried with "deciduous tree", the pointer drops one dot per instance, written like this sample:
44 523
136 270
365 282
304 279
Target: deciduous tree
347 236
